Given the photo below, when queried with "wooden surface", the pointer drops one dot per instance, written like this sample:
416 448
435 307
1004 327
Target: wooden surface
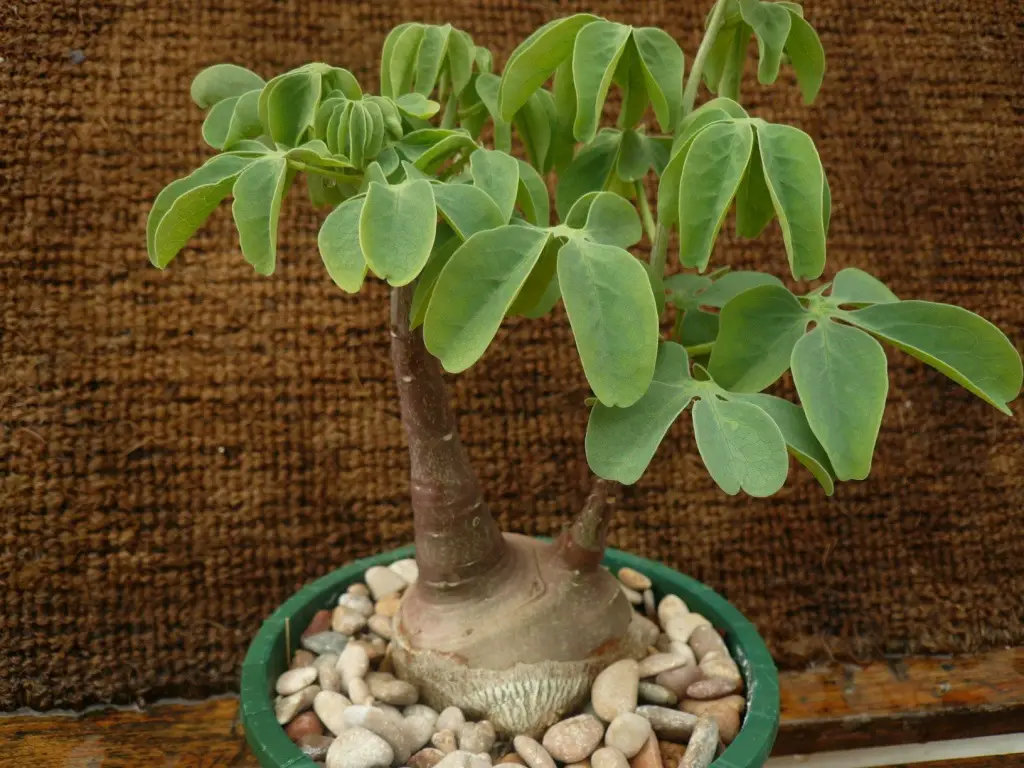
832 708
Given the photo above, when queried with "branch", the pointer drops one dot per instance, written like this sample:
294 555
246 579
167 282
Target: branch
581 545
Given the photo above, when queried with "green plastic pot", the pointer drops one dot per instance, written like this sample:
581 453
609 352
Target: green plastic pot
268 658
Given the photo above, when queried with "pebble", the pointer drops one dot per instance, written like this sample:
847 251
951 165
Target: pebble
445 741
359 692
325 642
426 758
320 622
406 569
615 690
649 756
660 662
421 711
712 688
288 707
715 664
388 606
669 724
389 727
359 748
383 581
315 747
533 754
608 757
681 627
361 604
576 738
358 589
653 693
580 764
703 744
347 621
302 658
634 579
481 760
330 678
704 640
628 733
353 663
326 660
330 708
294 680
634 597
511 759
418 730
737 703
648 631
679 679
450 719
306 724
666 644
671 607
381 625
650 610
725 715
458 759
391 690
477 737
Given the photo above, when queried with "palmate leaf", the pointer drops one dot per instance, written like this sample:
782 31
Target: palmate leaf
396 229
258 192
771 25
475 289
688 293
339 245
613 315
223 81
599 46
841 376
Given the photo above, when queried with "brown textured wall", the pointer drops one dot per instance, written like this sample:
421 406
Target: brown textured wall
179 451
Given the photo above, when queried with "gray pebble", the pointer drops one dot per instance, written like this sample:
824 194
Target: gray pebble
533 754
325 642
477 737
450 719
653 693
669 724
679 679
76 56
359 748
650 609
391 690
703 744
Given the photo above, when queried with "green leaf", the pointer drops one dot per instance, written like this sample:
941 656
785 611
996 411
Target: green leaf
754 206
621 442
222 81
563 95
183 205
359 127
668 186
629 76
460 59
536 59
794 177
613 316
427 280
588 172
287 106
396 229
599 46
710 177
807 56
534 128
735 62
800 440
430 147
854 286
339 245
662 62
536 287
339 79
826 202
388 161
417 105
840 375
497 174
771 25
218 121
612 220
741 446
732 284
375 130
467 209
634 160
403 59
386 54
475 290
432 52
757 332
532 196
965 347
258 193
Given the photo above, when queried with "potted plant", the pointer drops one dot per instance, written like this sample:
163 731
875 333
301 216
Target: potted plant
425 193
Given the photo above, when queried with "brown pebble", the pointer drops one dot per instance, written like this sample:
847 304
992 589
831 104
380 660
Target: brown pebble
321 622
649 756
445 741
704 640
671 753
512 759
634 579
575 738
723 711
380 625
650 607
715 664
358 589
306 724
679 679
302 658
315 747
711 688
388 606
426 758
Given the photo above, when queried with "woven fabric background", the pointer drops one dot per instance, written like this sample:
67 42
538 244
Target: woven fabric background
179 451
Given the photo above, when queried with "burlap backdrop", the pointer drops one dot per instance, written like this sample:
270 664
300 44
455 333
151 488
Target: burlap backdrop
179 451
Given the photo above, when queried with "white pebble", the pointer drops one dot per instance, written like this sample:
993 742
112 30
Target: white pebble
634 579
657 663
347 622
287 708
327 659
650 609
533 754
353 663
330 678
634 597
477 737
419 730
330 708
615 690
608 757
457 759
450 719
359 692
406 569
445 741
574 739
628 733
670 607
480 761
388 708
422 711
390 690
389 727
359 748
294 680
380 625
359 603
383 581
679 628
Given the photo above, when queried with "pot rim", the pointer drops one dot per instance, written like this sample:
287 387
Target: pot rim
270 652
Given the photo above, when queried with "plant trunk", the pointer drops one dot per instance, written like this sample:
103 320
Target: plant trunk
507 628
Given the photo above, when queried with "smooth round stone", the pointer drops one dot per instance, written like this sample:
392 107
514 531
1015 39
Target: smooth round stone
326 660
725 714
653 693
512 758
574 739
294 680
480 761
650 609
477 737
681 627
634 579
666 644
445 740
380 625
419 730
383 581
353 663
388 606
615 690
608 757
315 747
648 631
330 708
359 748
450 719
329 678
715 664
533 754
392 691
634 597
737 703
306 724
321 622
711 688
628 733
704 640
286 708
702 746
581 764
426 758
660 662
406 569
325 642
389 709
679 679
458 759
669 724
421 711
670 607
359 692
347 621
302 658
389 727
649 756
358 589
360 604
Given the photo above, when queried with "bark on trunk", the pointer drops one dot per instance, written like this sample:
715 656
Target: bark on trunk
581 545
457 540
